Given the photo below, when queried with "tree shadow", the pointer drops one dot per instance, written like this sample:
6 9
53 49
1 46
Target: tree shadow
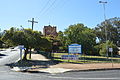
34 63
2 54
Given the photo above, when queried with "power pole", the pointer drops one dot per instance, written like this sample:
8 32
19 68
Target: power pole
32 22
32 29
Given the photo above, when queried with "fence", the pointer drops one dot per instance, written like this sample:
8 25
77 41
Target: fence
87 59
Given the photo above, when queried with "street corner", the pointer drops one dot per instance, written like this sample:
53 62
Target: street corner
55 70
20 69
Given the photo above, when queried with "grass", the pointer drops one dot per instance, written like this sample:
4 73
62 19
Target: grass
84 59
87 59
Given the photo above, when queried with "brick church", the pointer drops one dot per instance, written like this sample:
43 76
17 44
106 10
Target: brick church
50 31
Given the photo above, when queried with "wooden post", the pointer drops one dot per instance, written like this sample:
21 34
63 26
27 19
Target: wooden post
32 22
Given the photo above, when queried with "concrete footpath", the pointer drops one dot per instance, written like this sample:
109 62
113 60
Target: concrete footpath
65 67
86 66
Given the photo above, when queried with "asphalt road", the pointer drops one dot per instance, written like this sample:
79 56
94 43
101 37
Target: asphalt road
11 56
89 75
92 75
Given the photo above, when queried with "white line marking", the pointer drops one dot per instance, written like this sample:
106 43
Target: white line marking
84 78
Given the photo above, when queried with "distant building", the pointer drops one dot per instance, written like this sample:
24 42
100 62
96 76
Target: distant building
50 31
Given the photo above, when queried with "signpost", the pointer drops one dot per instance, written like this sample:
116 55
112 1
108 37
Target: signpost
74 50
21 47
111 50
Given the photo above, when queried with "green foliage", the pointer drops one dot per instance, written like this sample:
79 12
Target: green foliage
27 37
79 34
104 46
1 42
112 28
62 41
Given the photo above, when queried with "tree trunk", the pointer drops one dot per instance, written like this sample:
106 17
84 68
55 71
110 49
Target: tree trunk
30 54
25 55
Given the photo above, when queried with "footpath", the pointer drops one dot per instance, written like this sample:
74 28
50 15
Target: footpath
63 67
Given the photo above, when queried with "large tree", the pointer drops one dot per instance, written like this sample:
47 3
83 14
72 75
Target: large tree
112 26
101 48
79 34
62 42
27 37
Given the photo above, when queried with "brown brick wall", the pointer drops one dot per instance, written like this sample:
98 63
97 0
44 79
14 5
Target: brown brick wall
50 31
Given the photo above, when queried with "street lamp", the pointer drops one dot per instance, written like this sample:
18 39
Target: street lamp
104 2
103 7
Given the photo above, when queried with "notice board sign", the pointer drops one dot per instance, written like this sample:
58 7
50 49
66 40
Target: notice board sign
110 49
69 57
74 49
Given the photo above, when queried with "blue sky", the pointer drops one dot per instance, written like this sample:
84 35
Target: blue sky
60 13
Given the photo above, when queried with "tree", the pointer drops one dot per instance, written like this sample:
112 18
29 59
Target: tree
80 34
27 37
103 50
61 37
113 30
1 42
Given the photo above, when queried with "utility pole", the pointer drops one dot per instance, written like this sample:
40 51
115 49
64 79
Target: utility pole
32 22
104 2
32 29
22 27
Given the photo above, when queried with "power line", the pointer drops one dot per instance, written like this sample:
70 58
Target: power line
45 11
59 5
45 6
51 6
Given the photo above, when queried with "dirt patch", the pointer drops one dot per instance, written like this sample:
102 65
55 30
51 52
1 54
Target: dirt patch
38 57
87 66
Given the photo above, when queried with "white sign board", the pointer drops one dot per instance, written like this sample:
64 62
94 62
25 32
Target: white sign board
110 49
74 48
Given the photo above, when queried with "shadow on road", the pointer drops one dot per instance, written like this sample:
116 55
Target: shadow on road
34 63
2 54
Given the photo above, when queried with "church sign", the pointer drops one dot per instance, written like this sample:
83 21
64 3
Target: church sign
74 49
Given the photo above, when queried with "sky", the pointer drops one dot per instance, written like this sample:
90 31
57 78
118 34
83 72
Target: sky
60 13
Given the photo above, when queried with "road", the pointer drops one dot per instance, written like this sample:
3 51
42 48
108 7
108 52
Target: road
89 75
11 56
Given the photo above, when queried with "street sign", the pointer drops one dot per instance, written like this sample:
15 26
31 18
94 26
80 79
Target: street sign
110 49
74 48
21 47
70 57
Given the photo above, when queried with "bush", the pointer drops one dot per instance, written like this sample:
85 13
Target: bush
103 49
